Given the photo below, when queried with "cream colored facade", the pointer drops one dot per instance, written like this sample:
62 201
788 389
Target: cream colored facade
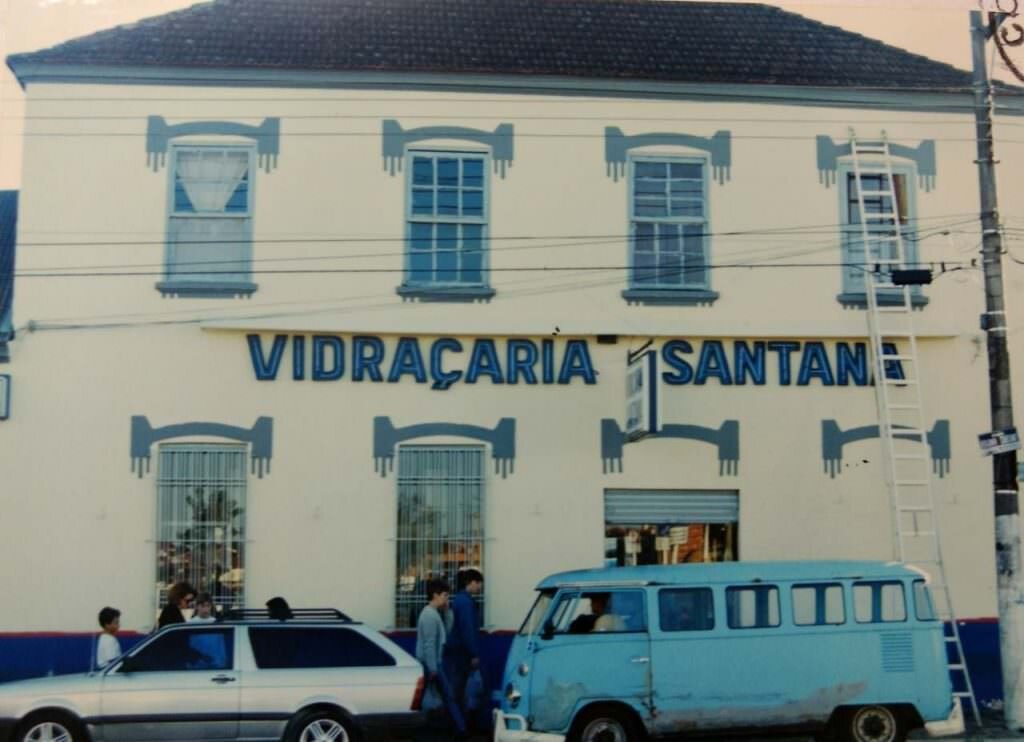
93 351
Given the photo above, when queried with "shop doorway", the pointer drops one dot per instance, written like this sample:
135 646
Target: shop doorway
670 526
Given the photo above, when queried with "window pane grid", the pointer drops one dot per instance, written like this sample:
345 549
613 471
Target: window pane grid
201 496
210 221
447 220
860 253
669 242
440 520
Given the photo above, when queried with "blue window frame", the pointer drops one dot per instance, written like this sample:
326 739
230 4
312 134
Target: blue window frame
209 230
858 253
446 216
668 224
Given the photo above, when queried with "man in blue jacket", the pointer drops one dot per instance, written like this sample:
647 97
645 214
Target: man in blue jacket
462 650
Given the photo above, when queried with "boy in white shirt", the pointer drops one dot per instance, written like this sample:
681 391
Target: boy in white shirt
108 648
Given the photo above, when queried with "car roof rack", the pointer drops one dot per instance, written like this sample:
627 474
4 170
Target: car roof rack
297 614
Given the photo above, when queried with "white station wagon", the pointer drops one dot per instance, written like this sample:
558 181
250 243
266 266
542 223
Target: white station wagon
317 676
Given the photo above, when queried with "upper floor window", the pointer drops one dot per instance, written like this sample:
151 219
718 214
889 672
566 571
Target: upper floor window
668 224
446 216
209 231
889 213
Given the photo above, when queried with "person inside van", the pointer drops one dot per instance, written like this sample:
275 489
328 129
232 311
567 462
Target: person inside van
598 619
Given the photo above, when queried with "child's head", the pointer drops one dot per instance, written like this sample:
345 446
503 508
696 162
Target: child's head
204 605
110 619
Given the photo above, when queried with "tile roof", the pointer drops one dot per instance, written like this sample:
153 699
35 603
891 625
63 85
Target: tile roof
8 221
657 40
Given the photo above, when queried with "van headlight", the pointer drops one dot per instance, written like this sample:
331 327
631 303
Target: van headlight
512 695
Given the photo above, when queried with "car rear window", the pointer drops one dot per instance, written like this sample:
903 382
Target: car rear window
295 647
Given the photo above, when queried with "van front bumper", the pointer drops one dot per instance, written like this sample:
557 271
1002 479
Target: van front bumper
953 724
512 728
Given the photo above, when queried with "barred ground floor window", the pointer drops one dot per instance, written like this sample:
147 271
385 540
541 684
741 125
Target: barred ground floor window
670 526
201 521
440 521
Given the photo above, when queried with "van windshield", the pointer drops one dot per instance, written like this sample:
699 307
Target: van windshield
536 614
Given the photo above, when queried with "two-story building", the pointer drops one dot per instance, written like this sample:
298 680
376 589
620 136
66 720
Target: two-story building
321 299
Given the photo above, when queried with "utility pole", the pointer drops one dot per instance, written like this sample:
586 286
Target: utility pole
1010 579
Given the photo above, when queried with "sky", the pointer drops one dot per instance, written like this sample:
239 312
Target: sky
935 28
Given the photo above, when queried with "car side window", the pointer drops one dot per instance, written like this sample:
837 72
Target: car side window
601 611
686 609
187 650
277 648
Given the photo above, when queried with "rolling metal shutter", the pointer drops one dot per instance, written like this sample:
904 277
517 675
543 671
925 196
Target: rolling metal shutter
637 507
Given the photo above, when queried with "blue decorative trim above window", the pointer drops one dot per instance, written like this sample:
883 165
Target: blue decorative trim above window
617 146
266 135
725 438
923 155
502 438
670 297
834 439
206 289
855 300
395 140
465 294
260 437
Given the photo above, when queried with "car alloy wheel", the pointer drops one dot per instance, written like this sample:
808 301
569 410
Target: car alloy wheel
324 730
48 731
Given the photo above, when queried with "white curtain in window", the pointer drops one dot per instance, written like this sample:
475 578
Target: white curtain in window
211 176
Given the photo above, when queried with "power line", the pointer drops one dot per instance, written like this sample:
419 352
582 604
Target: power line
518 135
828 228
413 271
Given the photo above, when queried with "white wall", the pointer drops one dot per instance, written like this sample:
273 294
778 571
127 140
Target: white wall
321 525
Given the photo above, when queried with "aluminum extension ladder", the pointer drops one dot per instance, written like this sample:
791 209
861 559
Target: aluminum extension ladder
898 394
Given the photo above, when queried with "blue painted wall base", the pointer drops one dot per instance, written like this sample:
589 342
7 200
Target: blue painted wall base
35 655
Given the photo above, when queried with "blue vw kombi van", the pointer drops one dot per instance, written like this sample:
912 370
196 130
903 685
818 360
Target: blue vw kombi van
841 650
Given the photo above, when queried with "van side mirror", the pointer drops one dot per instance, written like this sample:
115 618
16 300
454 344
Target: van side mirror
548 630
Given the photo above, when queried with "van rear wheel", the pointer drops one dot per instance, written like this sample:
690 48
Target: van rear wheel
874 724
605 724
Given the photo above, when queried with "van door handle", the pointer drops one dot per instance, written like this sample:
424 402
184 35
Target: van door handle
222 679
640 660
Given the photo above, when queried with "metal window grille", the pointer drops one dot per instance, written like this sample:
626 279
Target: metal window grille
669 224
201 521
440 521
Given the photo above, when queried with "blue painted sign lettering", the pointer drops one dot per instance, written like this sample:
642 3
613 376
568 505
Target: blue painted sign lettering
446 361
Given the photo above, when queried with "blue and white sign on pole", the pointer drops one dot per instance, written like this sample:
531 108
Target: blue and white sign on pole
643 413
5 396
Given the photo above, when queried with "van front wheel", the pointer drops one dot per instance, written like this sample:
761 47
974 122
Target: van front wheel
605 724
874 724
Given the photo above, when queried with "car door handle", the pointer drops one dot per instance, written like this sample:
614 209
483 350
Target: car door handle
640 660
221 679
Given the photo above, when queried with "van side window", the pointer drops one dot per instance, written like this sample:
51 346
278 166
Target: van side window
924 608
686 609
601 611
879 602
818 605
752 607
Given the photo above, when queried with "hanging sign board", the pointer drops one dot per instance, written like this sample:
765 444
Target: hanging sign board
643 416
999 441
5 396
